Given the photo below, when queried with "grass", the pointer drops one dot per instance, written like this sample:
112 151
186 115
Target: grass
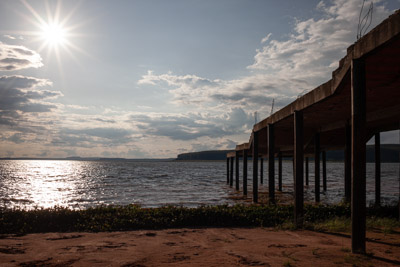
385 225
133 217
337 224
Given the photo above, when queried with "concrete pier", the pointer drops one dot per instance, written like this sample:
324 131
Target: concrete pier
227 170
324 184
255 167
237 171
358 158
280 171
317 167
245 172
298 167
377 169
271 164
359 101
307 171
231 173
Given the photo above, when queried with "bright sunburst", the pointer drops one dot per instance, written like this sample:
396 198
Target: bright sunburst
53 34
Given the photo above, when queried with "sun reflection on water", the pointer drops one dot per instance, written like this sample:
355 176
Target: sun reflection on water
49 188
40 183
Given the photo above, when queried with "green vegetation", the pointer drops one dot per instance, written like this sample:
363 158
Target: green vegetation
133 217
385 225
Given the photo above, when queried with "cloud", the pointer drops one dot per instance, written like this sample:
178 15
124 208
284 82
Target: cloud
16 138
282 69
20 94
104 120
90 137
266 38
192 126
104 133
250 93
15 57
314 48
9 37
214 113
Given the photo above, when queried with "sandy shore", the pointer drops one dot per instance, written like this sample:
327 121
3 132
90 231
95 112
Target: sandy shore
196 247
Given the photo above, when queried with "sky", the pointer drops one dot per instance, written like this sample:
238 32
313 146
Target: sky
152 79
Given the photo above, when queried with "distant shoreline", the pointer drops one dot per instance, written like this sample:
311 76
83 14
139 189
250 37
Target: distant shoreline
91 159
390 153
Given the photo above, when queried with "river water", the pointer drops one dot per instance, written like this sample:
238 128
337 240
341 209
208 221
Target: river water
80 184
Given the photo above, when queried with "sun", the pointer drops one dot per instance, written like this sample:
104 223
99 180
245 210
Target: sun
53 34
55 30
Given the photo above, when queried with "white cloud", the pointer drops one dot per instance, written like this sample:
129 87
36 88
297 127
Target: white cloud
192 126
9 37
282 69
312 52
219 113
250 93
266 38
21 94
16 57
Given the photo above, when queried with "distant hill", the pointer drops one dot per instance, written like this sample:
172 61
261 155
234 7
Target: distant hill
204 155
389 153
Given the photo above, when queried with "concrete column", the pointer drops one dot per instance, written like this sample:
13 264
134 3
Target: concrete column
307 171
299 171
280 171
324 170
227 170
271 164
347 164
237 170
261 170
245 172
358 155
377 169
255 167
316 167
294 170
231 173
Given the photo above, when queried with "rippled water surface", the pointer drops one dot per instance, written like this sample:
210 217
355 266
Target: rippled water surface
80 184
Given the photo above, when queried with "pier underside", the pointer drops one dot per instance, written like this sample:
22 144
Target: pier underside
361 100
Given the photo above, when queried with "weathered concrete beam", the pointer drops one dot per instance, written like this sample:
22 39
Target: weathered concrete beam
231 154
318 94
244 146
386 30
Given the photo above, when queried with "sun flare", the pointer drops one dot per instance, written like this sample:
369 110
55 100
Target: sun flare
55 31
53 34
